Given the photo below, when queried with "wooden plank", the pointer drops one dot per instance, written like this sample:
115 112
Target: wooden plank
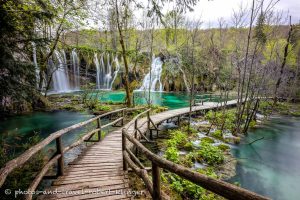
78 186
84 191
86 180
92 175
83 171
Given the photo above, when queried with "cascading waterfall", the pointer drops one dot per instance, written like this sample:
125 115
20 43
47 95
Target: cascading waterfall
76 69
116 71
96 61
156 69
60 74
108 76
37 70
105 75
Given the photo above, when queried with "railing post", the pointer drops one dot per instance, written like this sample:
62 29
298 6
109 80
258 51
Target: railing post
156 182
148 120
178 123
125 167
60 161
123 116
148 125
99 126
135 135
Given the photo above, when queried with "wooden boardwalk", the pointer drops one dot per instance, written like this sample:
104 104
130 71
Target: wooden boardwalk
160 117
97 173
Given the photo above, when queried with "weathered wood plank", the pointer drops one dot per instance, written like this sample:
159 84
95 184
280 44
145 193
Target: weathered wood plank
84 191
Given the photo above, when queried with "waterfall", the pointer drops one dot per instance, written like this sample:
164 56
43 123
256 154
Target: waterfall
116 71
105 75
60 74
37 70
76 70
96 61
156 69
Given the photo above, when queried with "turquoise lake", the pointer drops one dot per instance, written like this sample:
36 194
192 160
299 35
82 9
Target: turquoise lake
270 166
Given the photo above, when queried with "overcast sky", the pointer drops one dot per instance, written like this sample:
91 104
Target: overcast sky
211 11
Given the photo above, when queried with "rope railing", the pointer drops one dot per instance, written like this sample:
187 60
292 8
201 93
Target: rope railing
60 150
131 160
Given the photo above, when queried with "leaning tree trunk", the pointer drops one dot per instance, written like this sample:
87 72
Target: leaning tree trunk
285 55
127 85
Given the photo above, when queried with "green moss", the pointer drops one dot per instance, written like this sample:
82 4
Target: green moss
295 113
188 146
223 147
207 140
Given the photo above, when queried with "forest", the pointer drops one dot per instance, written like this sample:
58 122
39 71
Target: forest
222 98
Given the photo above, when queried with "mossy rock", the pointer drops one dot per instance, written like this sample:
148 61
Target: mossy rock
72 107
207 139
188 146
223 147
236 140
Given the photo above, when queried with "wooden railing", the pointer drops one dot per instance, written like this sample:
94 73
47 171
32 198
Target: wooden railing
60 150
130 142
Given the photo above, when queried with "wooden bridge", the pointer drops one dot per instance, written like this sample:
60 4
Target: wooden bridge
101 171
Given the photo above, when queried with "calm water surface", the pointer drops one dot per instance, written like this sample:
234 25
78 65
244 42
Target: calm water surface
17 130
271 166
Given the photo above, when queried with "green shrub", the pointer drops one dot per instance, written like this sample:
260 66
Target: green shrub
207 139
217 134
187 161
252 124
20 178
103 108
172 154
210 154
189 129
189 190
178 139
227 118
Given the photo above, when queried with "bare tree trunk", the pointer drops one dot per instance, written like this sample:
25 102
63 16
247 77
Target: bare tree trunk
127 84
285 55
239 111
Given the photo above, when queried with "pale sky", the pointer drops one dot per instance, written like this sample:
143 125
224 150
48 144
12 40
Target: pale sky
211 11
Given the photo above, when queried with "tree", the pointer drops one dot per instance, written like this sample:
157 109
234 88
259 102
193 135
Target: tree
18 20
121 9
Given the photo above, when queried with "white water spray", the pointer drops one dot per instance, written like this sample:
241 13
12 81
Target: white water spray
76 69
105 75
60 74
155 82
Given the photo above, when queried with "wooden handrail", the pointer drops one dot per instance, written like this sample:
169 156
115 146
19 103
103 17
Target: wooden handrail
129 124
24 157
216 186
